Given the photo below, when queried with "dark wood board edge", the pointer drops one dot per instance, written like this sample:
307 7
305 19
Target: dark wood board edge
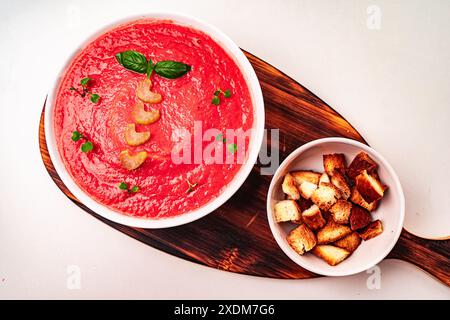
432 256
295 92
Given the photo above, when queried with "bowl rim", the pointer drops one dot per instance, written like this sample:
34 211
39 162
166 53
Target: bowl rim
282 243
228 190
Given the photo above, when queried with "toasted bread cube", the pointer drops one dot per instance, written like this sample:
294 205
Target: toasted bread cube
341 211
375 175
302 176
307 189
338 180
324 178
287 210
302 239
313 218
350 242
332 232
372 230
334 162
356 198
325 196
331 254
369 187
361 162
359 218
289 187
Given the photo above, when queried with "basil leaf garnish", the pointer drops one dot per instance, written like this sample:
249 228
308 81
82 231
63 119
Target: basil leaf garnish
133 61
137 62
76 136
150 68
123 186
95 98
232 148
215 100
87 146
85 81
171 69
119 57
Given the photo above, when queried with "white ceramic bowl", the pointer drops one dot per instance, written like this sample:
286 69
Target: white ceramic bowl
391 211
254 146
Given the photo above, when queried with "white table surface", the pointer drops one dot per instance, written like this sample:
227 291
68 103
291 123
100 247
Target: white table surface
392 84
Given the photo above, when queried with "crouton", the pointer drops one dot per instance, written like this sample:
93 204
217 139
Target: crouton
325 196
301 239
331 254
313 218
350 242
375 175
372 230
332 232
341 211
369 187
334 162
302 176
324 178
356 198
287 210
361 162
307 189
338 179
289 187
359 218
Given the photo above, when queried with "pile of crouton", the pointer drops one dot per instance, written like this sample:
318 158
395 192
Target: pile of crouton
332 209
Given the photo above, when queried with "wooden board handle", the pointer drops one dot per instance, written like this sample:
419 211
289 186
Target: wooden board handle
433 256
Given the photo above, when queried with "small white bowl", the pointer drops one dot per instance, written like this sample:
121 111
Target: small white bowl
253 149
391 211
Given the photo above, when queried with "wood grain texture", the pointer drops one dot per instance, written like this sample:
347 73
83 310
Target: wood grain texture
236 237
432 256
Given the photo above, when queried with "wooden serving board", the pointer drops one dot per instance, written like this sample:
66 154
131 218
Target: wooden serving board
236 237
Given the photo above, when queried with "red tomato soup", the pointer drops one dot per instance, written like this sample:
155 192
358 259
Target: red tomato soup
164 188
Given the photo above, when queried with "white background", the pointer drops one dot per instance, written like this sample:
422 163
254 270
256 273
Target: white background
392 84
